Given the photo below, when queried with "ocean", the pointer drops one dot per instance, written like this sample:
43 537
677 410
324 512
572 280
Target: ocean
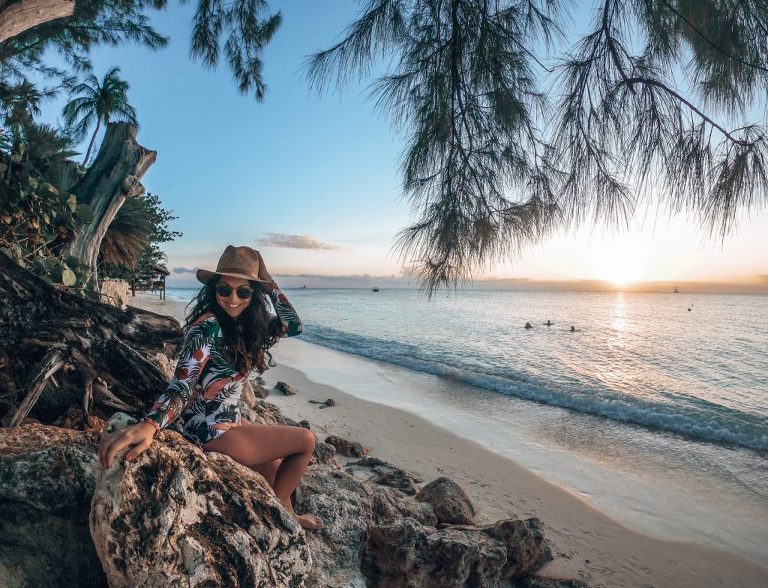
669 392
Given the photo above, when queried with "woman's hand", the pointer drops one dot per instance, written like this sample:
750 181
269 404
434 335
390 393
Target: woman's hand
139 436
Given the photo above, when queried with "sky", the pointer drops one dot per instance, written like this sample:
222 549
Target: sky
313 182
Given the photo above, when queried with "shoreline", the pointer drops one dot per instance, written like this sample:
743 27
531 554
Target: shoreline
587 543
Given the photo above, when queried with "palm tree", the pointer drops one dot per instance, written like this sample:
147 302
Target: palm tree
103 101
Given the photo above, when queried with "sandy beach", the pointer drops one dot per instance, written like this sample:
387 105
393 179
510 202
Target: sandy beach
587 543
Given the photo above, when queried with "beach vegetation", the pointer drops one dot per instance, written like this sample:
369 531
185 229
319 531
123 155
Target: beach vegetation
98 101
38 216
131 245
516 124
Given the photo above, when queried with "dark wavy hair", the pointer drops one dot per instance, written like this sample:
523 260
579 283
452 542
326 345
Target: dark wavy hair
248 337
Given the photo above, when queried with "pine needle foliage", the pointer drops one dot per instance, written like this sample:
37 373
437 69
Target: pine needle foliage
512 132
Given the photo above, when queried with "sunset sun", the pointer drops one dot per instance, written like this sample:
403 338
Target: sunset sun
623 262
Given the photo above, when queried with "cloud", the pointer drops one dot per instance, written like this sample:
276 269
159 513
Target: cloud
763 277
184 270
293 242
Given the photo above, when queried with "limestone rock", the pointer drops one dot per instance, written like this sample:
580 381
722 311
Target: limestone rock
450 502
247 397
324 453
47 475
348 448
388 506
257 387
524 541
119 420
409 554
344 505
40 548
386 474
178 517
286 389
65 460
162 362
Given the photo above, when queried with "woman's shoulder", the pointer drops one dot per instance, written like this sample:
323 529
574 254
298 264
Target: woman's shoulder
206 324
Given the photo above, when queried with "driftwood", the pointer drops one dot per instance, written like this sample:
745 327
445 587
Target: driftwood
17 16
58 349
114 176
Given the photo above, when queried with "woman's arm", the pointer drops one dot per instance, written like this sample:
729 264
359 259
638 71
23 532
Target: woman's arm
194 354
285 312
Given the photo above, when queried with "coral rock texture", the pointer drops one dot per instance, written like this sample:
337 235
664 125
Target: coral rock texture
178 517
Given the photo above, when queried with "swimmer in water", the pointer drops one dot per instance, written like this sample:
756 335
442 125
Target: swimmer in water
549 323
573 329
528 326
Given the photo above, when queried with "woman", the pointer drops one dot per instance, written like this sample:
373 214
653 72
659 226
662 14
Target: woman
228 334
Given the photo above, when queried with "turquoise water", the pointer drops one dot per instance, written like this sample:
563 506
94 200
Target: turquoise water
644 359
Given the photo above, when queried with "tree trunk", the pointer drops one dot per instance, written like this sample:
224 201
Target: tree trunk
16 16
113 177
59 350
93 140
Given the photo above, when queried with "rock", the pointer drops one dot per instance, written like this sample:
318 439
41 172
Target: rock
259 389
264 413
348 448
407 553
66 460
524 539
386 474
344 505
247 397
388 506
286 389
119 420
305 425
326 404
162 362
450 502
324 453
40 548
47 475
399 480
178 517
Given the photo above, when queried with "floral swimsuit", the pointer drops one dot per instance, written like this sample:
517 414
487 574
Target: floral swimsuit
205 390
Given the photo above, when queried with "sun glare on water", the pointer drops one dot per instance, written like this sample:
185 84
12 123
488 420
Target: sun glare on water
621 262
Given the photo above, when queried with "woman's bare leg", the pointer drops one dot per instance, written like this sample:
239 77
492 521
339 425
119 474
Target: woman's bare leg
268 470
254 445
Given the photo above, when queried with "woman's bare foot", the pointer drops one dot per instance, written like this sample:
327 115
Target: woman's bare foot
307 521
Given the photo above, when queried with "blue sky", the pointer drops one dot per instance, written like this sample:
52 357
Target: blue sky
304 170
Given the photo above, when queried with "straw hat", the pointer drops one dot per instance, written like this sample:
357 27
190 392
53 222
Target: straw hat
239 262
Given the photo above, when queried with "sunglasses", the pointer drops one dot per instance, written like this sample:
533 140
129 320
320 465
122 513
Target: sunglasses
224 290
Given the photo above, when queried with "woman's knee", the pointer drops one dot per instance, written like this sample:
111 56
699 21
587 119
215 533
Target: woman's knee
308 440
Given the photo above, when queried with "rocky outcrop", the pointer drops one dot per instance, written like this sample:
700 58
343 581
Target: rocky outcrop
451 504
178 517
378 536
386 474
47 478
348 448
